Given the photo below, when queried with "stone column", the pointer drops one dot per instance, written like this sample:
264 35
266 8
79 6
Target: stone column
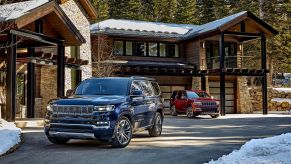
244 103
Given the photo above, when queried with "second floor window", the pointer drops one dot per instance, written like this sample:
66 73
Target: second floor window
212 55
151 49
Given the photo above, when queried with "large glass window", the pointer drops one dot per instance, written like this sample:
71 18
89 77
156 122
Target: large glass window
75 53
171 48
137 48
140 49
212 54
163 50
128 48
153 49
118 48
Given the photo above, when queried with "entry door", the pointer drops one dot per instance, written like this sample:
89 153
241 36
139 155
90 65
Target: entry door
214 89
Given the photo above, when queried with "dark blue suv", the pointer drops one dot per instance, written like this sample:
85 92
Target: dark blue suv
108 109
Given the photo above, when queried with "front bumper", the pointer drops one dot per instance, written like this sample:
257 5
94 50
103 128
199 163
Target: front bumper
79 131
205 111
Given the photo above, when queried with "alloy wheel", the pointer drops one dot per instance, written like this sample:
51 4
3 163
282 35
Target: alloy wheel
190 113
124 132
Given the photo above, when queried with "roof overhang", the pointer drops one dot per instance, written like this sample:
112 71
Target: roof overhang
54 16
248 17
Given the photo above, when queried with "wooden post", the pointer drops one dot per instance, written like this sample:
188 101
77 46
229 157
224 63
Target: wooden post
11 78
203 83
78 76
264 77
222 75
30 85
61 70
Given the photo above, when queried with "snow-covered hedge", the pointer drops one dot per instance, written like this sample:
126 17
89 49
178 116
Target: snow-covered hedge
273 150
9 136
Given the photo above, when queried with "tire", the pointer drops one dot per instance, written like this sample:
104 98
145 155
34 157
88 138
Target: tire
156 129
173 110
214 115
59 141
122 133
190 113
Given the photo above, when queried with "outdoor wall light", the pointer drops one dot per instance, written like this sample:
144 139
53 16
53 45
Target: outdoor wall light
203 44
240 47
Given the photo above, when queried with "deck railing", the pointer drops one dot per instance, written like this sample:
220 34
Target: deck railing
231 62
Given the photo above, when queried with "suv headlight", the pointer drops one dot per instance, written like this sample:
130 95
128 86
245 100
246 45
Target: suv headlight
107 108
49 108
197 103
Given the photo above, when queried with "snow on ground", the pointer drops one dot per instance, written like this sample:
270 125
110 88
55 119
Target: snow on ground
9 136
282 100
275 150
283 89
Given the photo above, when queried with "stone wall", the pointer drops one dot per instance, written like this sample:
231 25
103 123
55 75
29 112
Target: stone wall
77 15
48 85
244 102
256 95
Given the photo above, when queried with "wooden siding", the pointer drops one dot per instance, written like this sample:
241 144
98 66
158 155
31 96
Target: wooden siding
192 52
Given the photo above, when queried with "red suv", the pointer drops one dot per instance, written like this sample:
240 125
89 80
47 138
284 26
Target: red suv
193 103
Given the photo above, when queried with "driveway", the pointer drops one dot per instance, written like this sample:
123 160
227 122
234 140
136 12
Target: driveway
183 140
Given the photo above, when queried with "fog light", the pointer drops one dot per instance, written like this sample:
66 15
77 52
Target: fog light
102 123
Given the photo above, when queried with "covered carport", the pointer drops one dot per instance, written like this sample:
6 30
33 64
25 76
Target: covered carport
27 29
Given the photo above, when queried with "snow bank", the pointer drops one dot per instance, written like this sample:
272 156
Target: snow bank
275 150
9 136
286 90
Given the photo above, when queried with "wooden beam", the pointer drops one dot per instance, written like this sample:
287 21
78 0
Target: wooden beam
11 78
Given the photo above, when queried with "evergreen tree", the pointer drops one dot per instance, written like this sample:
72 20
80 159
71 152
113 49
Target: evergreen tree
147 10
205 11
102 8
129 9
164 10
186 12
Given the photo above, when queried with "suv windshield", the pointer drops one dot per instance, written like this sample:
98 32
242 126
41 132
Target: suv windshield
103 87
193 95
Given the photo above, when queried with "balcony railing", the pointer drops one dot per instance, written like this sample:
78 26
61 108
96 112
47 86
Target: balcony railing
231 62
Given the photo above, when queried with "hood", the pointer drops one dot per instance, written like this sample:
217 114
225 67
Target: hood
91 100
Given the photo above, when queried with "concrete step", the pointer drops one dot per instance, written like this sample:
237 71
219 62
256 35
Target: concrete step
29 123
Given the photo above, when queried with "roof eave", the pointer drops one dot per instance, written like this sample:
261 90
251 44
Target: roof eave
46 9
263 23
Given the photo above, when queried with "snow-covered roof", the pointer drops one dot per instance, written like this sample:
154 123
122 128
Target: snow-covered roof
15 10
213 25
143 28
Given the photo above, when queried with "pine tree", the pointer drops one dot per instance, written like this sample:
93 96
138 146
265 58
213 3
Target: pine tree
129 9
102 8
164 10
205 11
186 12
147 10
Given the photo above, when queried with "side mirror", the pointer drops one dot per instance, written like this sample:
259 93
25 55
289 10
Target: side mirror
136 93
69 92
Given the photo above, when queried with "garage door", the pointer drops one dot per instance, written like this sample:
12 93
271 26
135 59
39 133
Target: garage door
214 89
167 92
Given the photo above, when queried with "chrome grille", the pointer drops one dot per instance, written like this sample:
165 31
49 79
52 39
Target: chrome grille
72 109
209 103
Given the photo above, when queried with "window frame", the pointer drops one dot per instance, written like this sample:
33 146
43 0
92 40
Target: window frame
178 45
